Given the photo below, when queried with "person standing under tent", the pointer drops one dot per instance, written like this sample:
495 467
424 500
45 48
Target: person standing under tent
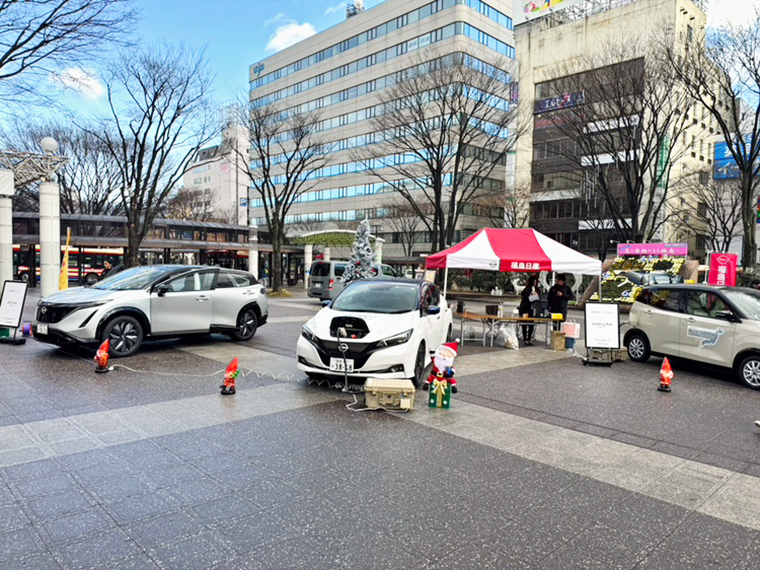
559 295
530 295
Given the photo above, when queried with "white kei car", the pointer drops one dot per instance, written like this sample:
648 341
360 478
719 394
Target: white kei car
387 326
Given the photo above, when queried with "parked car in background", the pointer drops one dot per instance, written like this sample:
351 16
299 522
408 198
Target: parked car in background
653 278
156 301
325 278
390 325
715 325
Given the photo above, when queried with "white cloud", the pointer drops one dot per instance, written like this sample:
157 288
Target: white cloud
337 8
274 19
290 34
83 81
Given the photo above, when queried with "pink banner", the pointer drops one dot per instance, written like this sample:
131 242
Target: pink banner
723 269
653 249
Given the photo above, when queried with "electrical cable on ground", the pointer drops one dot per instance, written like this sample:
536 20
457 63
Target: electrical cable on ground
352 389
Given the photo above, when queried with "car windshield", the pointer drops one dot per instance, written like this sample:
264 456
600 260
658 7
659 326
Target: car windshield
746 303
377 298
134 278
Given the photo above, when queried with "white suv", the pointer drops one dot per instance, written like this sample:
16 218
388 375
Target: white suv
151 302
714 325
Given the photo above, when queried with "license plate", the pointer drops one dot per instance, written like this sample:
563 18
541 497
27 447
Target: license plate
42 328
336 365
317 285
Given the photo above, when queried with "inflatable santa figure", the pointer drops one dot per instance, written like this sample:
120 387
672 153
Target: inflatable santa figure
443 366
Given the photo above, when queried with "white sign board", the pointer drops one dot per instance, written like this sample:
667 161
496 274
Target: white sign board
602 325
12 303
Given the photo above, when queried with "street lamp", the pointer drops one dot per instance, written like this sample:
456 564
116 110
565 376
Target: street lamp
21 168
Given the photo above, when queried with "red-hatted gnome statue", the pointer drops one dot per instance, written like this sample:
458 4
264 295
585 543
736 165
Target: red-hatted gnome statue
101 357
228 388
443 366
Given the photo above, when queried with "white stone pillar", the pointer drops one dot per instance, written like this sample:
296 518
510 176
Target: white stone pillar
326 254
308 256
253 250
50 238
378 251
6 226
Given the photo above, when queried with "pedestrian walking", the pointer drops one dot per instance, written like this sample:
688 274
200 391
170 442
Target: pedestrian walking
559 295
528 299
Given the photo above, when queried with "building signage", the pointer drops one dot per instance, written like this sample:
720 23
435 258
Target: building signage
725 166
243 202
12 303
723 269
526 10
653 249
258 68
559 102
602 325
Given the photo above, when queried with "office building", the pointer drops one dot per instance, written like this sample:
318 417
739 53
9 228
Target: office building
342 70
561 173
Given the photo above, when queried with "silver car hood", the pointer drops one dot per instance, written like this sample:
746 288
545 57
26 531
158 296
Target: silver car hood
77 295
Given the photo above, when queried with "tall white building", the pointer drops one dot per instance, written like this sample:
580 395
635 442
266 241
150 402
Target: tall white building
341 71
219 172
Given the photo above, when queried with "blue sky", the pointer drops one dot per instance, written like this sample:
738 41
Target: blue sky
234 33
237 33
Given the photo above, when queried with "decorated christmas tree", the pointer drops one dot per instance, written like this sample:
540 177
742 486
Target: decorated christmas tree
362 256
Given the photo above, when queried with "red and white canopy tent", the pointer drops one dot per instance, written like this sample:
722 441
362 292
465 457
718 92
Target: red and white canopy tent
520 250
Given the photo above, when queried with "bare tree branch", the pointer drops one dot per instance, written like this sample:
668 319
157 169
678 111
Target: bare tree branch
285 152
42 37
89 182
160 117
618 128
710 208
722 72
403 220
442 133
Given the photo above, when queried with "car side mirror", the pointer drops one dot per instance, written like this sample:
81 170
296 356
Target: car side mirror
161 289
726 316
433 310
326 303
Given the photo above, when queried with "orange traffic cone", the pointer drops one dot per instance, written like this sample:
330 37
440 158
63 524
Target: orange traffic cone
230 374
101 357
666 375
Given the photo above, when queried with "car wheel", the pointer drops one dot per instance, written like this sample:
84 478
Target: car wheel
247 325
419 366
749 371
125 335
638 347
90 279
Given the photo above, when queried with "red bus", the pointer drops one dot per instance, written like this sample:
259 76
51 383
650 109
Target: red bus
92 262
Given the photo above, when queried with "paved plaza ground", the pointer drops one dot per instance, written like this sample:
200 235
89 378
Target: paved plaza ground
541 463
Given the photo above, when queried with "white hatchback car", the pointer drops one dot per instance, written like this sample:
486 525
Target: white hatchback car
152 302
389 326
714 325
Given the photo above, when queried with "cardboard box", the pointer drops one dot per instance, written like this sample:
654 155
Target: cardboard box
388 394
558 341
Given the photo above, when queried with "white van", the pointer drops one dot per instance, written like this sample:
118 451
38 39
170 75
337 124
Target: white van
714 325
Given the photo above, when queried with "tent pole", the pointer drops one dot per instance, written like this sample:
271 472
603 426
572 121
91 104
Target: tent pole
445 280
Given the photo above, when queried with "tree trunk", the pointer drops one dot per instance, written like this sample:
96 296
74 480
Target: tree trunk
749 222
276 276
132 255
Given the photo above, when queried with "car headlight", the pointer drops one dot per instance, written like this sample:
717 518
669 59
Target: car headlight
308 335
395 340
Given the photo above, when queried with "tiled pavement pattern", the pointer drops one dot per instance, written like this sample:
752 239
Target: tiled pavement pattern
283 476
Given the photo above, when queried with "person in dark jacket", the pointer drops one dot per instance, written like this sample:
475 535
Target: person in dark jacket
528 297
559 295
